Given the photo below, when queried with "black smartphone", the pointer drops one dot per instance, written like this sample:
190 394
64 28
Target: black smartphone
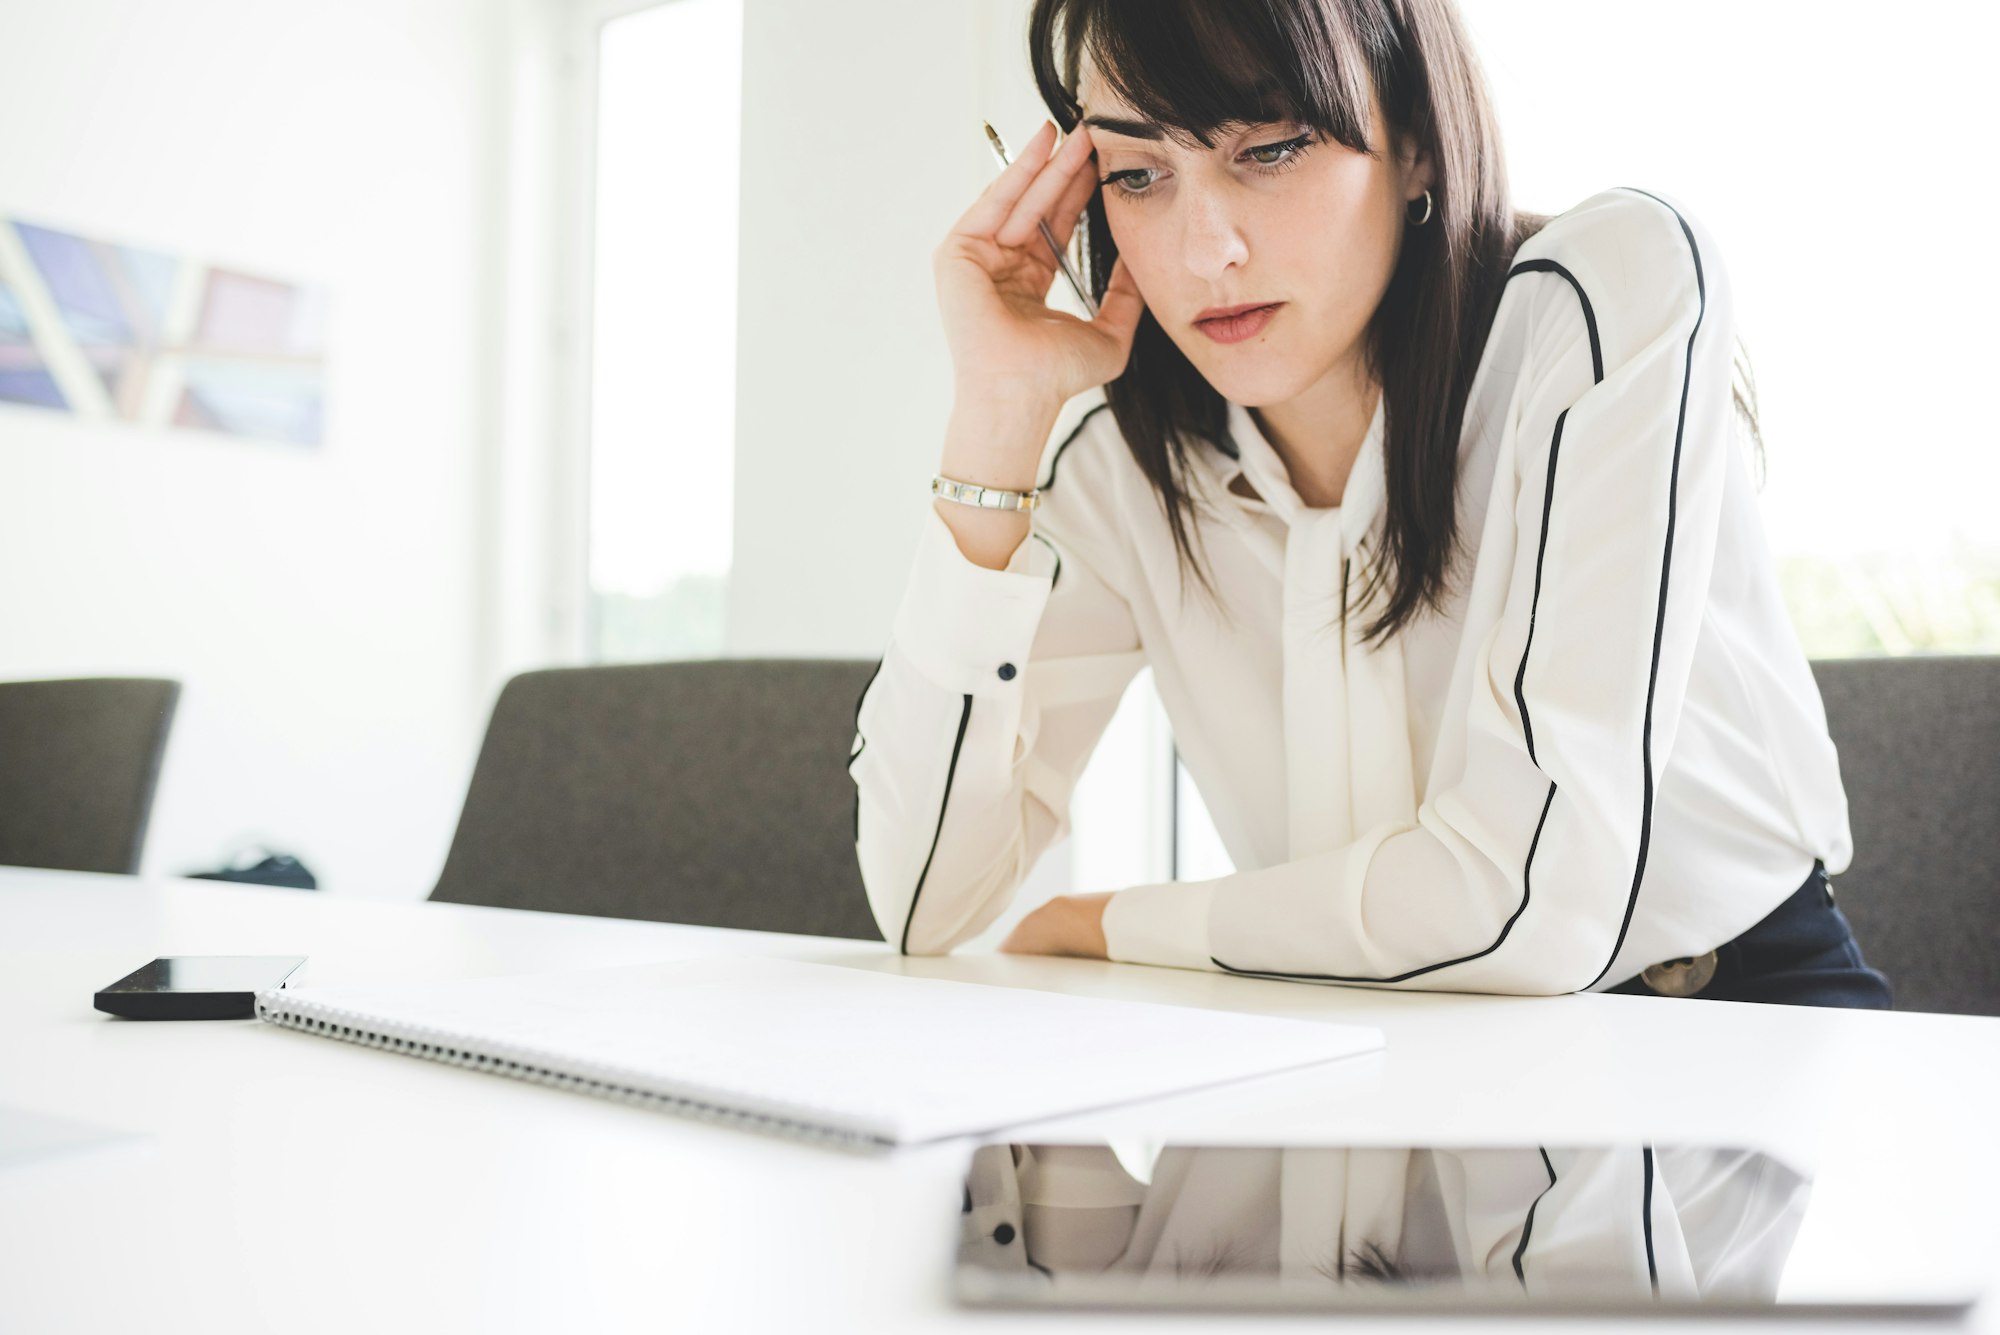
197 987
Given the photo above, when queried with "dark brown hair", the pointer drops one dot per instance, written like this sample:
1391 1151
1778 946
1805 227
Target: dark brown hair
1197 66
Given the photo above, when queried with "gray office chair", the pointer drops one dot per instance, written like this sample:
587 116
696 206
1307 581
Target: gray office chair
79 761
1919 742
710 792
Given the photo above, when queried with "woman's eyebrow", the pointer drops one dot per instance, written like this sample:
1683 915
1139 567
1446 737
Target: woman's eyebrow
1154 130
1130 129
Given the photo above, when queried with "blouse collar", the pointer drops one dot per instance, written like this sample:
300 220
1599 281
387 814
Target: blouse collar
1258 461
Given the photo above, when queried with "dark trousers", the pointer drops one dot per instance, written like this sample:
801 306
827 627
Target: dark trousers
1802 954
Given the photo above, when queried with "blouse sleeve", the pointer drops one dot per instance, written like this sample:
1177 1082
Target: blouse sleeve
995 688
1522 875
1681 1222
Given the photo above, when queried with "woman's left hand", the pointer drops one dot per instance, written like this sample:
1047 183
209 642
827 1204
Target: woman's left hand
1066 925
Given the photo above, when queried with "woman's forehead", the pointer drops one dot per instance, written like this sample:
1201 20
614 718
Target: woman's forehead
1098 95
1093 94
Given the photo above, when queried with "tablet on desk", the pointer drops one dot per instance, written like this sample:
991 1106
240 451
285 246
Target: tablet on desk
1522 1229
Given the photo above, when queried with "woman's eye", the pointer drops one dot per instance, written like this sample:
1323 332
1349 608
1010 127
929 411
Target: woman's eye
1280 153
1142 175
1137 182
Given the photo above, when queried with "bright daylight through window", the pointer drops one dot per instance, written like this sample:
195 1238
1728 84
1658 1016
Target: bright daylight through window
663 337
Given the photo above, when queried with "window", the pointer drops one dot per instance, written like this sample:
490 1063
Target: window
1830 151
663 329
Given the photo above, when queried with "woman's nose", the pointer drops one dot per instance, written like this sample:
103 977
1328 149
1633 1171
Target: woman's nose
1211 239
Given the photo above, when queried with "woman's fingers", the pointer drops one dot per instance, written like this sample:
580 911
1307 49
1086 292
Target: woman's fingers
1122 305
997 201
1050 185
1081 187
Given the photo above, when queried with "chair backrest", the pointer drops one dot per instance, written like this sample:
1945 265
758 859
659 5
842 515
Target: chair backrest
79 762
710 792
1919 742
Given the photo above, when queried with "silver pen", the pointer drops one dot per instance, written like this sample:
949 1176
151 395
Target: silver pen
1075 283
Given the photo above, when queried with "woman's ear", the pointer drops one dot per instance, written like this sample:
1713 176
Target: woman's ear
1414 160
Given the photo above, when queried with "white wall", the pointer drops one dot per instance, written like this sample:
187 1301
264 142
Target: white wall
854 115
322 607
861 146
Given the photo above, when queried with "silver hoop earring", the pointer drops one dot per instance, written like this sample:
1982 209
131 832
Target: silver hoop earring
1419 222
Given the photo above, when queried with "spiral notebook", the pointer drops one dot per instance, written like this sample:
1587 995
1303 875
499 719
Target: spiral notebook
814 1050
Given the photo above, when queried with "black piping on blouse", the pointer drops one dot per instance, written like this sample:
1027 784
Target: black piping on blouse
1068 440
1652 1266
1528 1225
964 717
1660 616
856 754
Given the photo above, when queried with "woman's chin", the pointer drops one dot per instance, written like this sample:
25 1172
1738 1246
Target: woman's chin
1255 387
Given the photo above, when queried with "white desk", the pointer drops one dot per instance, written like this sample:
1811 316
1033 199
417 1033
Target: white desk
283 1182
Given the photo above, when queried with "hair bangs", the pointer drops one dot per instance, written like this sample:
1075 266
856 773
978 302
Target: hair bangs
1198 69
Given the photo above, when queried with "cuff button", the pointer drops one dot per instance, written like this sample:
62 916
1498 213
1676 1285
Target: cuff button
1004 1234
1006 672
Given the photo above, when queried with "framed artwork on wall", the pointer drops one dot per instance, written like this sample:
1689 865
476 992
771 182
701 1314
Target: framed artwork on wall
108 331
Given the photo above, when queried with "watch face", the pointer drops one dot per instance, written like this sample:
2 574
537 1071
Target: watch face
1499 1228
1682 977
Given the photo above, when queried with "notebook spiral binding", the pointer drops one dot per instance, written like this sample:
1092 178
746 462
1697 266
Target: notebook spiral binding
432 1045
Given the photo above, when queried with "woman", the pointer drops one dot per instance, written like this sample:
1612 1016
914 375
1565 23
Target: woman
1482 670
1713 1225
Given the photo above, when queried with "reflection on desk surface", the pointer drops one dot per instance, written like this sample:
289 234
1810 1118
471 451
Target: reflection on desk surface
1191 1225
32 1138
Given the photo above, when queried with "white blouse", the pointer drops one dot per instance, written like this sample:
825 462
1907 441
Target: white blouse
1681 1223
1606 751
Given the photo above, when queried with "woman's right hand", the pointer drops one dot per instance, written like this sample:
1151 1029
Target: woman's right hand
993 276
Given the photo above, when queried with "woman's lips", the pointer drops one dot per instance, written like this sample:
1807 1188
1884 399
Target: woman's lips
1236 328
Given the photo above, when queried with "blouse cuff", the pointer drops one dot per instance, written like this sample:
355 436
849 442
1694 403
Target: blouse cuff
964 626
1160 924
